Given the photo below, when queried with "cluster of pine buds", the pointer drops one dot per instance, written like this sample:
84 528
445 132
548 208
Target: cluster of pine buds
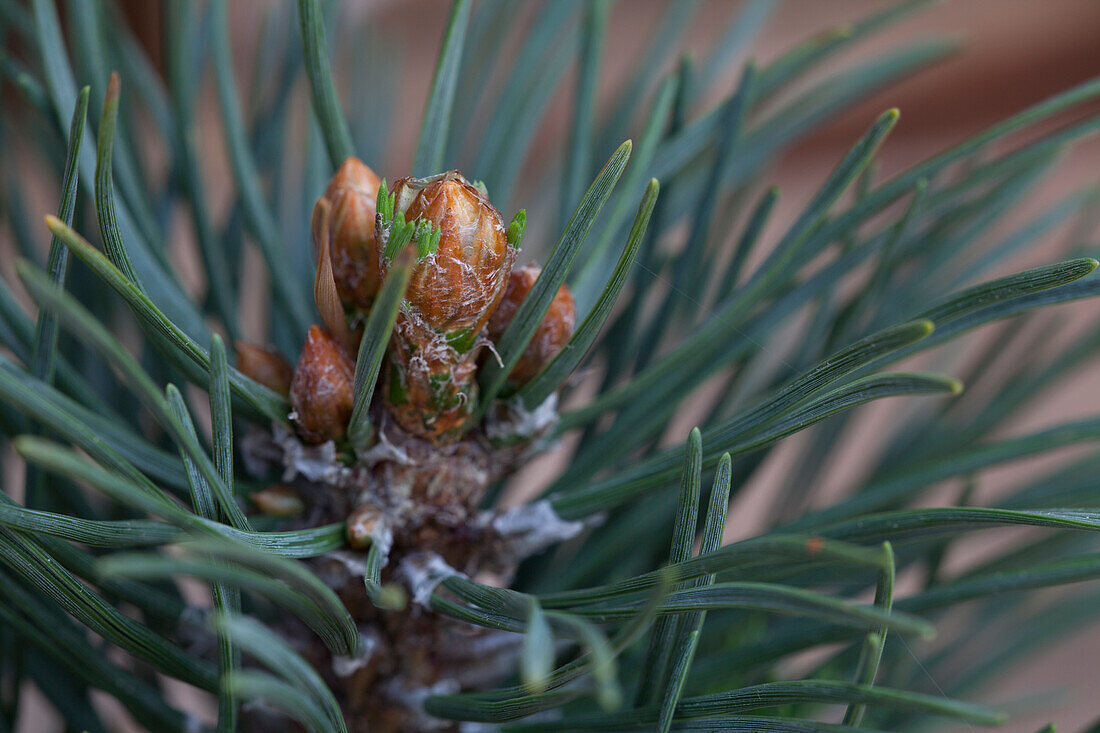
461 296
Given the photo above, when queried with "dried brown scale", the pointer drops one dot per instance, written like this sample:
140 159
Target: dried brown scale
321 391
325 294
266 366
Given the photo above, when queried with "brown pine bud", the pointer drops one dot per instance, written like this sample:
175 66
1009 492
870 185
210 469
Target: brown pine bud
454 289
352 195
321 392
266 366
278 501
431 390
552 334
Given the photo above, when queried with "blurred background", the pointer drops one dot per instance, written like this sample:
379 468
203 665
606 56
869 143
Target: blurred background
1010 54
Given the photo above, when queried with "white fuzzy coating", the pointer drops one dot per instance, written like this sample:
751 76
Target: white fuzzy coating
384 450
312 462
531 528
525 423
472 727
382 536
423 571
483 342
352 561
261 705
486 657
412 698
347 666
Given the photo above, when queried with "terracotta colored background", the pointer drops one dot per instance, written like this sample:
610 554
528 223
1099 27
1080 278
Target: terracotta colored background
1013 53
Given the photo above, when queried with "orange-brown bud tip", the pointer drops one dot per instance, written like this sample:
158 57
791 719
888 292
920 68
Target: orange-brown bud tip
266 366
321 391
355 175
552 334
114 84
